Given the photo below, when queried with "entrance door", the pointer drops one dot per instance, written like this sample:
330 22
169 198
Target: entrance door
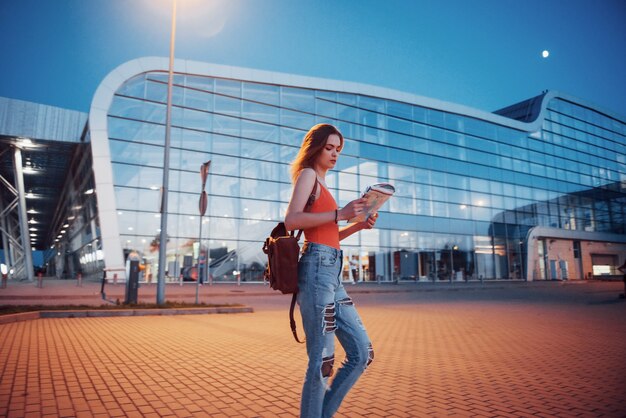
603 265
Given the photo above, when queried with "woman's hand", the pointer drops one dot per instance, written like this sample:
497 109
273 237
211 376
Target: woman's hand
370 221
351 210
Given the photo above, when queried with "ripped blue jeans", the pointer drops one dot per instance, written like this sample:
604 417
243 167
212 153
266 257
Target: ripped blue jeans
327 311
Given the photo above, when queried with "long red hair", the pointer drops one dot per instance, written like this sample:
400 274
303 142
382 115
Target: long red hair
312 144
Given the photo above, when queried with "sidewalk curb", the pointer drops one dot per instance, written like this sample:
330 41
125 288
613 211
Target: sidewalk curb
101 313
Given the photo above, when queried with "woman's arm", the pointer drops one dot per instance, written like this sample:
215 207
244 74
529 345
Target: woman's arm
348 230
297 218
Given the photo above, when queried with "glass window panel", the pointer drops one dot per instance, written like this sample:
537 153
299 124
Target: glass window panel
399 205
406 189
479 185
223 207
259 189
290 136
459 196
423 207
366 168
258 209
137 109
398 172
436 118
225 145
223 185
185 160
481 213
191 140
460 211
263 93
137 199
401 156
224 165
196 119
136 131
296 120
227 105
132 153
349 181
257 169
182 181
439 193
196 99
226 125
155 91
326 108
402 126
131 175
402 110
301 99
420 114
199 82
222 230
347 113
258 150
260 112
374 152
133 87
228 87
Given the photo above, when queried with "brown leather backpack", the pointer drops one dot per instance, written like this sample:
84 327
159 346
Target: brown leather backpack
283 251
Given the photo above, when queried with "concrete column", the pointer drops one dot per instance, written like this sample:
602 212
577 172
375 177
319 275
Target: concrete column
23 217
5 239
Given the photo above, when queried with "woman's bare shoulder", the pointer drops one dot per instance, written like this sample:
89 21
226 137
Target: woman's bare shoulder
307 171
307 175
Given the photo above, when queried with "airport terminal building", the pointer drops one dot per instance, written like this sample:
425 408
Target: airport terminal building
534 191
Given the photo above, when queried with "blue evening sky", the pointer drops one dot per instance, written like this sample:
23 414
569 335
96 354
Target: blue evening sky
480 53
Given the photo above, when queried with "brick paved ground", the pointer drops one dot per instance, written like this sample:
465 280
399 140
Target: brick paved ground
506 352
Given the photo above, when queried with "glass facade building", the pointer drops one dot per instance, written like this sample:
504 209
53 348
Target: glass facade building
534 191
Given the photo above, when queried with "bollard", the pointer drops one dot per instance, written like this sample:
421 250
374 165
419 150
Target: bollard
39 280
180 279
79 280
114 278
4 281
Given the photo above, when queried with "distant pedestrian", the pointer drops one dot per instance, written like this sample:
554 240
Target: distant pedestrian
327 310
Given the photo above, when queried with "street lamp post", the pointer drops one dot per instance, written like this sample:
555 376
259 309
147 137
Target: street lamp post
166 167
204 172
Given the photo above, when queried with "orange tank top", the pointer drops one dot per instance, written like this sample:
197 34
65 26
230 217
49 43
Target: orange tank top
328 233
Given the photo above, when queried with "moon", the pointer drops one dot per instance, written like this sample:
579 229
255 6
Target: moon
545 53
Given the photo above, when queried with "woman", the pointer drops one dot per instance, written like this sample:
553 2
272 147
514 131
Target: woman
326 308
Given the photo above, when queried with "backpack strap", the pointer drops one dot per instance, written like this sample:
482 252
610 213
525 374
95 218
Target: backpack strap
292 321
308 205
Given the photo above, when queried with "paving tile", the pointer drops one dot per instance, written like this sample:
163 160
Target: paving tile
538 352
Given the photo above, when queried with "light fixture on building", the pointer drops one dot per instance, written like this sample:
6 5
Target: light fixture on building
89 191
25 143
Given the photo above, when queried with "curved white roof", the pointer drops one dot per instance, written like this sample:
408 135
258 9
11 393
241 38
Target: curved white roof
104 93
